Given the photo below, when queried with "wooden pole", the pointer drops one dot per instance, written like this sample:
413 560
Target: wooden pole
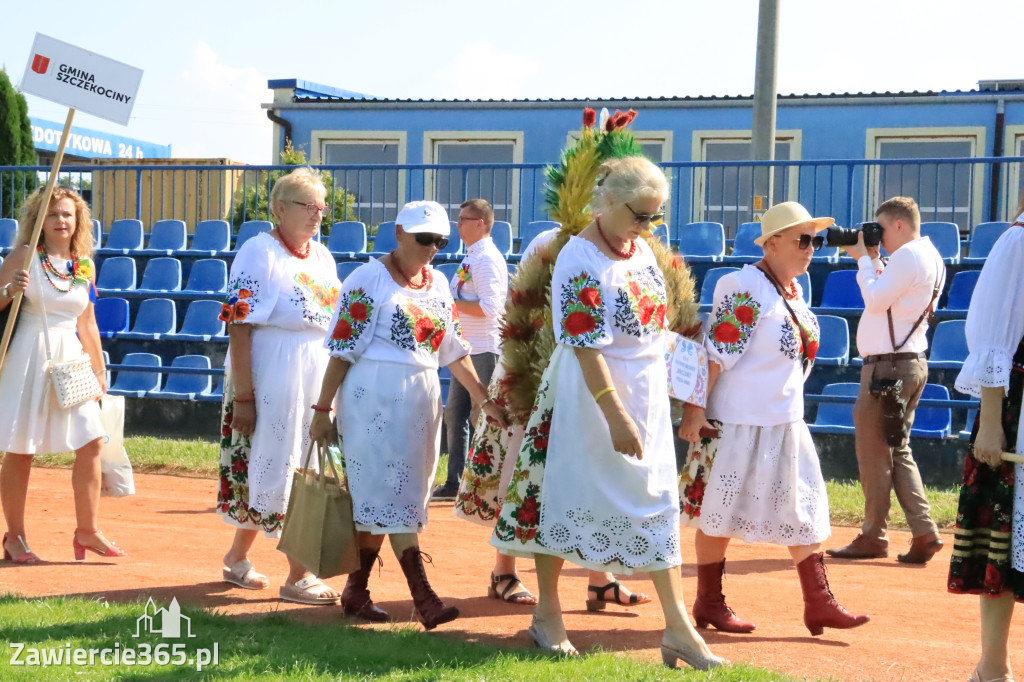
37 230
1013 457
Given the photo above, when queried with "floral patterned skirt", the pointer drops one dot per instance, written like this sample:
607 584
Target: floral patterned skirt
693 477
988 536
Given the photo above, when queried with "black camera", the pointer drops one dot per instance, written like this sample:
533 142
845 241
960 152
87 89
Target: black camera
841 236
894 409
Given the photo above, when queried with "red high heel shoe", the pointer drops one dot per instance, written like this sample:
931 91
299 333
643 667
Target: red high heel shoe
28 557
112 551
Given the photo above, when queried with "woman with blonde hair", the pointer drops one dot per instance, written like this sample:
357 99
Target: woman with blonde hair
282 292
59 292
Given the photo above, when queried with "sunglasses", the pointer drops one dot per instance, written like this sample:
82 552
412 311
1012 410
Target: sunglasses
807 240
428 239
640 218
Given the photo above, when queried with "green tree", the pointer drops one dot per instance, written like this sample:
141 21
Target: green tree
251 203
16 148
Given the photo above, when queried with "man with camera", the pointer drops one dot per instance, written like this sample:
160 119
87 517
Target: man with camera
898 300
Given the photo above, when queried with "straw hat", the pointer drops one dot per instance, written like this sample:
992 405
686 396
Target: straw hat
785 215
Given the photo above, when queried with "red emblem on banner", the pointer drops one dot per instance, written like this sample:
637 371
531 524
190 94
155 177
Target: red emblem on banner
40 63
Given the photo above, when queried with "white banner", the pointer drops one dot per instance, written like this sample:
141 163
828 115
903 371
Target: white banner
81 79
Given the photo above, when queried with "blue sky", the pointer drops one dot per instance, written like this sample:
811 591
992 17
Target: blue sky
207 63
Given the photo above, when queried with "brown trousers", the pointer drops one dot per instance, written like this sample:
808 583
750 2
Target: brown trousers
882 467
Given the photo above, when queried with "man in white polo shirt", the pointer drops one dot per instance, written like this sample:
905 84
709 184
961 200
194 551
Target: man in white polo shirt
479 288
898 298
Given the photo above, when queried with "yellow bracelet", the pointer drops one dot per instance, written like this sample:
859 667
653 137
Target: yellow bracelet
600 394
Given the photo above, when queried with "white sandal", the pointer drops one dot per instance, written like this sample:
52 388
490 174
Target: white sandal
308 591
245 576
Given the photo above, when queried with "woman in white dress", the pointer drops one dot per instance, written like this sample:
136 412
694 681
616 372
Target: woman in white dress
282 292
61 278
395 325
765 482
990 517
595 480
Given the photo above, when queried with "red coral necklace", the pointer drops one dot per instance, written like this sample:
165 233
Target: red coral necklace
789 292
621 254
424 273
295 252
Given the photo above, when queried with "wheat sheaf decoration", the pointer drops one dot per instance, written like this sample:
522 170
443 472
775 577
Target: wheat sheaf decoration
527 336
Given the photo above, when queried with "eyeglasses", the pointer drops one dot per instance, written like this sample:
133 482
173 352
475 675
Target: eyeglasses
640 218
464 218
428 239
312 208
807 240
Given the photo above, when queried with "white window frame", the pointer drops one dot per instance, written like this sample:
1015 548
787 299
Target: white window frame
1013 136
432 138
319 138
698 153
975 135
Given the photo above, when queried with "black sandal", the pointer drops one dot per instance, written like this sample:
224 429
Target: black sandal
600 600
506 594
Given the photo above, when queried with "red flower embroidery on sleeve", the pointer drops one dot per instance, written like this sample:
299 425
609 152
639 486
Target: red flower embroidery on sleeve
726 332
745 314
590 297
579 323
342 331
357 311
423 329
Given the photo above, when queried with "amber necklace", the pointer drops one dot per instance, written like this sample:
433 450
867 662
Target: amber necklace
424 273
621 254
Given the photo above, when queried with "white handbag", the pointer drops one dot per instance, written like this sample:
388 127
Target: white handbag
73 380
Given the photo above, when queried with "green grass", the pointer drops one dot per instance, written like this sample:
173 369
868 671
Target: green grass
199 458
276 648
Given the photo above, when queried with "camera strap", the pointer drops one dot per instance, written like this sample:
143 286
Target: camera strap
805 361
927 314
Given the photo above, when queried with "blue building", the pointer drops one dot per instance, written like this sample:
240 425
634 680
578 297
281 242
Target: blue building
839 154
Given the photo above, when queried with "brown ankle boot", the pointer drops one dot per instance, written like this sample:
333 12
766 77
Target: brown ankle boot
820 608
355 598
430 610
709 608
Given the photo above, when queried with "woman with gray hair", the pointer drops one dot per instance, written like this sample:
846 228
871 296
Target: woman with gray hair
281 298
598 456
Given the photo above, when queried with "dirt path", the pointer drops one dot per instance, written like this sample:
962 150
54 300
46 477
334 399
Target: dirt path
175 541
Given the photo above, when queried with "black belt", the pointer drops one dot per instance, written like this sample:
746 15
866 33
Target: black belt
894 357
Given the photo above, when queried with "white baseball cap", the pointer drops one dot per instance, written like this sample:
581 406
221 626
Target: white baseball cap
424 216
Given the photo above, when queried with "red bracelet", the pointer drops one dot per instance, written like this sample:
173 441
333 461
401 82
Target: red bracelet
250 399
320 408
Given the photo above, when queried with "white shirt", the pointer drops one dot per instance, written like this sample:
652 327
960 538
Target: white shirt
482 277
539 241
906 285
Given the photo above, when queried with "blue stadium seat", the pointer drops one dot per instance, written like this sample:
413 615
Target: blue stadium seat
701 242
501 233
983 238
513 268
97 233
201 323
447 269
8 232
216 395
347 238
805 286
744 250
453 248
946 238
835 417
117 274
385 241
211 237
707 287
661 232
834 345
106 363
444 375
111 316
208 276
532 229
185 386
166 237
841 293
961 288
155 318
933 422
948 346
162 274
125 236
965 433
249 229
346 268
137 384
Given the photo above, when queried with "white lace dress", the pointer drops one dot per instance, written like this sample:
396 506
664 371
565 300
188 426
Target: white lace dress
289 302
31 421
390 401
765 482
571 494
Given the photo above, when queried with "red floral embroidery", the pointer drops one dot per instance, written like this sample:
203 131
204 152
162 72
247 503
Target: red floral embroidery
579 323
423 329
357 311
727 333
812 349
436 339
659 315
745 314
646 307
529 514
342 331
634 289
590 297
